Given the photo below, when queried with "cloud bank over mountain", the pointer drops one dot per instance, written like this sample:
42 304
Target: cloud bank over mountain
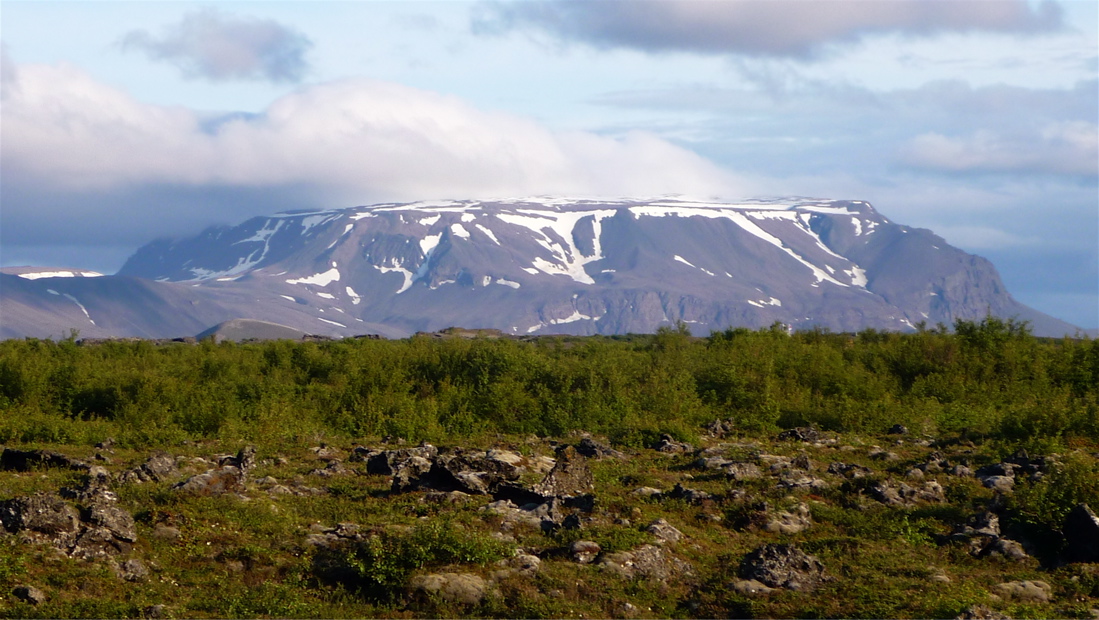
339 143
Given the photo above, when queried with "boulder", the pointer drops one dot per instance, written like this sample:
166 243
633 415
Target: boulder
407 473
462 588
98 542
647 561
648 492
228 478
668 445
1081 531
792 522
108 515
383 462
44 514
720 428
893 493
159 466
584 551
664 531
219 481
524 564
783 566
848 470
569 477
26 460
751 587
595 450
691 496
334 468
29 594
1000 484
802 433
1025 591
1004 548
132 570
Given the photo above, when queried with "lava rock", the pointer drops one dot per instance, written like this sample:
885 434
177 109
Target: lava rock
783 566
647 561
29 594
802 433
584 551
1025 591
1081 531
664 531
26 460
569 477
159 466
465 588
668 445
595 450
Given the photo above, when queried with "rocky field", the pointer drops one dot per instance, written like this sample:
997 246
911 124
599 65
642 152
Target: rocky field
800 524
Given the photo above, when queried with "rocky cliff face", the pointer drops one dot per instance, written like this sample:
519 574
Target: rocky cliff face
545 266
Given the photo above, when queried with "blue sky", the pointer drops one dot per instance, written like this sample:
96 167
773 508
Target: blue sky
127 121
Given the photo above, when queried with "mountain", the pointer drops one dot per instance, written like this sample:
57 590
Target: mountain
549 266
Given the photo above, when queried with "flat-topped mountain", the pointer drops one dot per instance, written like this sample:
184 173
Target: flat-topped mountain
577 266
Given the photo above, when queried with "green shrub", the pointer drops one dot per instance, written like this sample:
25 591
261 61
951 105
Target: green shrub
382 564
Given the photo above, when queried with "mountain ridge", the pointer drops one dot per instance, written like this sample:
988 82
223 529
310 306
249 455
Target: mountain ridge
582 266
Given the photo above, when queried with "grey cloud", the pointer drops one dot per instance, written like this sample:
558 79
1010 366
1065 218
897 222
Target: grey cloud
795 125
208 44
1062 148
785 28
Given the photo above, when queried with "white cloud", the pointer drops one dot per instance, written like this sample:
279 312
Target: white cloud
355 140
1070 148
793 28
209 44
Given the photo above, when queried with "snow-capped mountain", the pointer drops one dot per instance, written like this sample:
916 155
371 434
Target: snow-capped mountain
581 266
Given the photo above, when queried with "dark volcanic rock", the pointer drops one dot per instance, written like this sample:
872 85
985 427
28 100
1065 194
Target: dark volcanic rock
803 433
29 594
669 445
46 514
1081 531
569 477
103 530
229 478
385 462
783 566
213 482
26 460
158 467
595 450
647 562
900 494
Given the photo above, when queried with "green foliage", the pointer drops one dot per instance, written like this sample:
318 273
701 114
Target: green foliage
382 563
1045 503
987 378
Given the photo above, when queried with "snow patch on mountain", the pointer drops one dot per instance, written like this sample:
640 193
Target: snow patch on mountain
77 273
79 305
318 279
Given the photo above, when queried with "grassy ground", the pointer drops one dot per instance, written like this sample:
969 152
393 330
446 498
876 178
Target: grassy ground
249 557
